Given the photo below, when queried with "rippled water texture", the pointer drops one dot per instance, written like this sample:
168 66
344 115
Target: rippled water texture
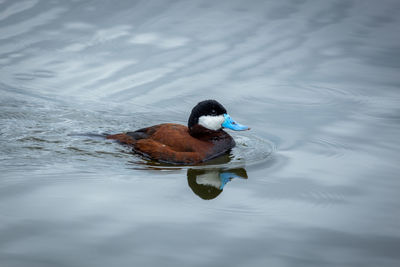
314 183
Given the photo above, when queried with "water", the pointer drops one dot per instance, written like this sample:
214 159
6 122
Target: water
317 177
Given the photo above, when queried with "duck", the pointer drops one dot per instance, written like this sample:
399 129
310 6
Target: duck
203 139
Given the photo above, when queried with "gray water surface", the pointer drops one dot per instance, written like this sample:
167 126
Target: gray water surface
317 177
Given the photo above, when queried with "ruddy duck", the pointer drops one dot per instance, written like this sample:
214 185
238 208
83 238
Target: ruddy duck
202 140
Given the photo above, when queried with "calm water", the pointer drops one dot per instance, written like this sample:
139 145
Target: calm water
317 178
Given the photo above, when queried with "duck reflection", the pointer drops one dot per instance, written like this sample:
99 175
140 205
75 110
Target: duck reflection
205 181
209 183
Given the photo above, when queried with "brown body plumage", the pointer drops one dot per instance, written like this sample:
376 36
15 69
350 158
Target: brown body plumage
172 143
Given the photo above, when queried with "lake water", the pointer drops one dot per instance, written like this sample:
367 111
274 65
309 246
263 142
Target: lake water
317 176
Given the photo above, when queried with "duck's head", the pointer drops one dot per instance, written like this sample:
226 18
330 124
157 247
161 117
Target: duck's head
211 115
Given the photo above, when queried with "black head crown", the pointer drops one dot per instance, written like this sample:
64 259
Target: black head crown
205 108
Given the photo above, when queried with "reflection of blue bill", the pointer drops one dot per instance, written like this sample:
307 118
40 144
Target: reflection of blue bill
226 177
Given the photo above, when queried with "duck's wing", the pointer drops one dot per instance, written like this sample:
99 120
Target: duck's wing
130 138
144 132
163 153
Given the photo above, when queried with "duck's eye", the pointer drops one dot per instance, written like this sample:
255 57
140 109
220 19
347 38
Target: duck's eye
213 111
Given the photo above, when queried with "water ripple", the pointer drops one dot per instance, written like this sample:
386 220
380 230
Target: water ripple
17 8
28 25
328 147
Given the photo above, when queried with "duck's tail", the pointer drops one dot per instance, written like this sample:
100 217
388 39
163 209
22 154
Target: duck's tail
93 135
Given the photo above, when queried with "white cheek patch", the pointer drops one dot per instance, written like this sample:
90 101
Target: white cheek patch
212 122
